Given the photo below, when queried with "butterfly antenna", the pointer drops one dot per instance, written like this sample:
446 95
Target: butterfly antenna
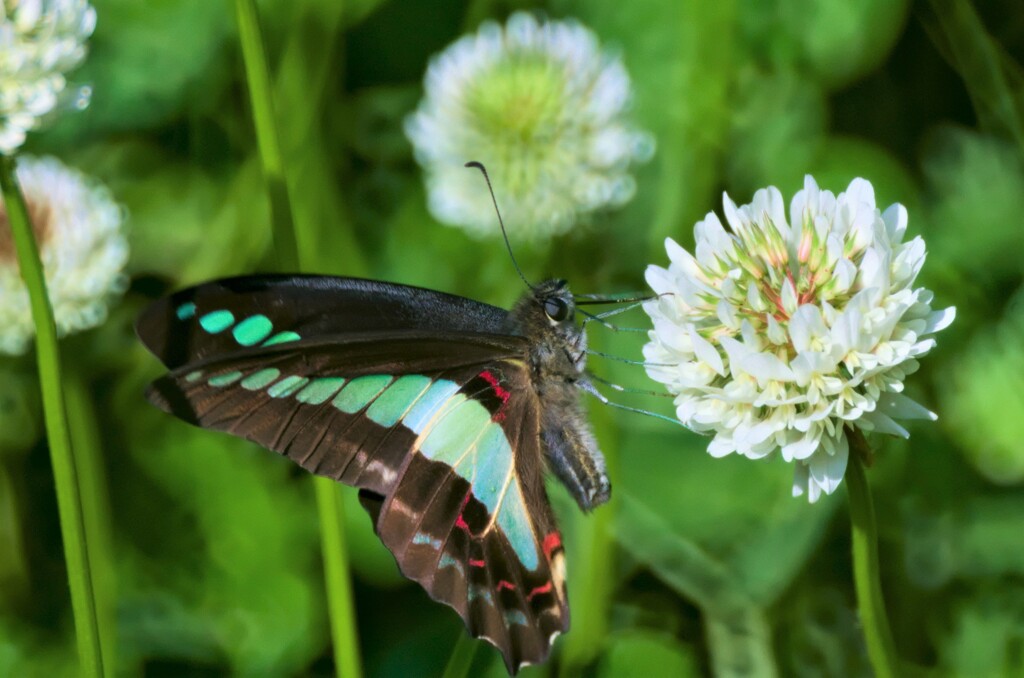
504 233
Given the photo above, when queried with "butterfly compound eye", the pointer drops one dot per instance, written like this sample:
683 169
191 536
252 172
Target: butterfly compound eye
556 309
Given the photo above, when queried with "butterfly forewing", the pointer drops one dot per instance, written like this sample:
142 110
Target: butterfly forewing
216 318
439 429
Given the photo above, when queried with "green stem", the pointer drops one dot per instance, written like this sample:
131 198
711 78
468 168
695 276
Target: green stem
339 582
87 447
262 102
462 657
335 552
66 480
877 635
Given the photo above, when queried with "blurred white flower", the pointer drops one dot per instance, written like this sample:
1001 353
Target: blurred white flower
40 40
79 230
544 109
779 333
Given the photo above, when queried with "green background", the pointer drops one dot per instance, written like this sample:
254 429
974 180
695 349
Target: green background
698 565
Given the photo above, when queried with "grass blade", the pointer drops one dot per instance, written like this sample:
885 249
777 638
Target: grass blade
65 472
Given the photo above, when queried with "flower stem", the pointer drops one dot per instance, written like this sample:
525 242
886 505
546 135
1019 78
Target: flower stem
262 102
339 582
877 635
335 553
66 480
87 446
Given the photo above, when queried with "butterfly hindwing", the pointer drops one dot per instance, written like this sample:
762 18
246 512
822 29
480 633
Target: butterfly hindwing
466 533
438 428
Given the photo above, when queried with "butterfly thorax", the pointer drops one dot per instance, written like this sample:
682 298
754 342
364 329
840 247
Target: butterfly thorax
546 317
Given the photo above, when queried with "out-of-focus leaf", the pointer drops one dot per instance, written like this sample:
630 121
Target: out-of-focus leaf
977 184
842 159
778 129
375 127
763 540
679 562
20 415
27 653
415 249
993 79
13 559
681 80
740 643
771 558
738 633
835 40
981 540
983 401
986 635
281 13
149 61
644 654
821 635
228 550
185 223
306 79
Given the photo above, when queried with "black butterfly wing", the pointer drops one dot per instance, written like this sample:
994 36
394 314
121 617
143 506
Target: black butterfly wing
438 429
219 317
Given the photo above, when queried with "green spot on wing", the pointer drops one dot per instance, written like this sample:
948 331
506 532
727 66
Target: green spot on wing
287 386
194 376
261 379
217 321
186 310
253 330
320 390
459 426
225 379
282 338
392 404
359 392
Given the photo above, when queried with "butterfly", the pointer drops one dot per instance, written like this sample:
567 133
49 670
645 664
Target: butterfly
445 412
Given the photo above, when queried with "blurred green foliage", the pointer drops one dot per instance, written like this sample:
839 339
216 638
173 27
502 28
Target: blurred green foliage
703 565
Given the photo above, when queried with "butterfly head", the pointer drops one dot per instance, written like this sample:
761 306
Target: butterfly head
547 316
556 301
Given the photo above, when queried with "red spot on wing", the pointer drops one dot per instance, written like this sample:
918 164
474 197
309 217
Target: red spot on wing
460 522
506 585
503 393
551 542
539 590
477 563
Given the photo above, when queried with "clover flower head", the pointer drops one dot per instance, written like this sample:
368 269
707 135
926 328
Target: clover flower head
40 41
777 333
544 109
79 231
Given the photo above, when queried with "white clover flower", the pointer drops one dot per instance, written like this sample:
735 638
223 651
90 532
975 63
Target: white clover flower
544 109
79 230
778 334
40 40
